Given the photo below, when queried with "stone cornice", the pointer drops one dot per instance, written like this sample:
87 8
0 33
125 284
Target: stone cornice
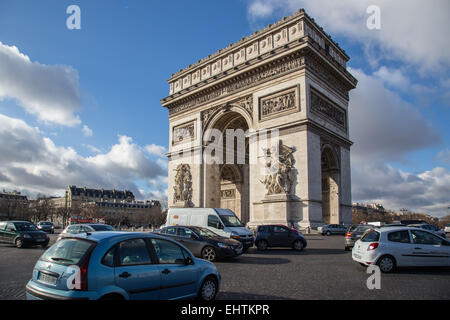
297 57
236 56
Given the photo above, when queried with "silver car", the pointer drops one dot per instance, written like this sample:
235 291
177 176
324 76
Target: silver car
330 229
75 229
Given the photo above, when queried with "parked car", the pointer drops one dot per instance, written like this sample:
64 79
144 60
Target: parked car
22 234
121 265
204 243
221 221
46 226
279 236
354 233
75 229
330 229
447 228
429 227
394 247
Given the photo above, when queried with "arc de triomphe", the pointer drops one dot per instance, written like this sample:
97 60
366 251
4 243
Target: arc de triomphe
287 88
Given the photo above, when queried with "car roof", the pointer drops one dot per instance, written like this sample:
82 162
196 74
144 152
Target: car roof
108 235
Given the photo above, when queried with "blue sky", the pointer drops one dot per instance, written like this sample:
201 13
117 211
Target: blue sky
112 73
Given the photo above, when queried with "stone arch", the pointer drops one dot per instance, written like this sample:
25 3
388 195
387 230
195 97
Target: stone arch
227 183
330 184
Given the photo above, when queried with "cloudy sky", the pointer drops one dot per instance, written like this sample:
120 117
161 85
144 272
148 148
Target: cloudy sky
82 106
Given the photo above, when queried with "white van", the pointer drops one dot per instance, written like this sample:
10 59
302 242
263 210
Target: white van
221 221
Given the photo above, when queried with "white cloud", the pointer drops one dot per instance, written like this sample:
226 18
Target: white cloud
411 30
87 131
49 92
92 148
386 129
32 162
156 150
395 189
382 125
393 77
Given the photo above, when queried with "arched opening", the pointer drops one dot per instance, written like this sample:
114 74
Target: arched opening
227 183
330 186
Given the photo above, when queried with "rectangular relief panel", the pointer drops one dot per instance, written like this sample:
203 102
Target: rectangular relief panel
279 103
183 133
325 108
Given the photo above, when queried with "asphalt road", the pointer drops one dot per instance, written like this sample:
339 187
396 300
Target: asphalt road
322 271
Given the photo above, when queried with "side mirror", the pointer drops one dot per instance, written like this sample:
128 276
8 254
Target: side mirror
188 261
445 243
194 236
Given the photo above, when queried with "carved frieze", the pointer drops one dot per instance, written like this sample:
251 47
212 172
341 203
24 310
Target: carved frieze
183 133
327 109
244 103
278 103
273 70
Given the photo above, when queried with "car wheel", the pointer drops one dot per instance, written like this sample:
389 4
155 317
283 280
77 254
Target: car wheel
298 245
386 264
262 245
328 233
208 253
19 243
208 289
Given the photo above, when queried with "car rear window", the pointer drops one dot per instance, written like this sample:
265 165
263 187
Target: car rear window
68 251
102 227
370 236
362 228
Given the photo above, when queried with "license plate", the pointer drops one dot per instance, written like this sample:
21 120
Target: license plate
47 278
357 256
40 240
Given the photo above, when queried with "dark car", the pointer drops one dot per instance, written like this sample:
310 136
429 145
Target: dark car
46 226
354 233
279 236
22 234
203 243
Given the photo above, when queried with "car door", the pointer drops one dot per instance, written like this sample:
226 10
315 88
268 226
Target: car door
190 240
401 247
216 226
2 231
10 232
135 271
279 237
429 249
178 279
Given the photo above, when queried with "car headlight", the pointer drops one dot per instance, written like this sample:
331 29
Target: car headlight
222 245
27 236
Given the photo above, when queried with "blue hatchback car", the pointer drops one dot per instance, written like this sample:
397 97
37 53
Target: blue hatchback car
121 265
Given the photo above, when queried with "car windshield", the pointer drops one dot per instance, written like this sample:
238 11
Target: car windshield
67 251
45 223
228 218
102 227
25 226
205 232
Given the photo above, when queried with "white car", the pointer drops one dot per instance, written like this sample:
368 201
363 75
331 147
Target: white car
393 247
447 228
